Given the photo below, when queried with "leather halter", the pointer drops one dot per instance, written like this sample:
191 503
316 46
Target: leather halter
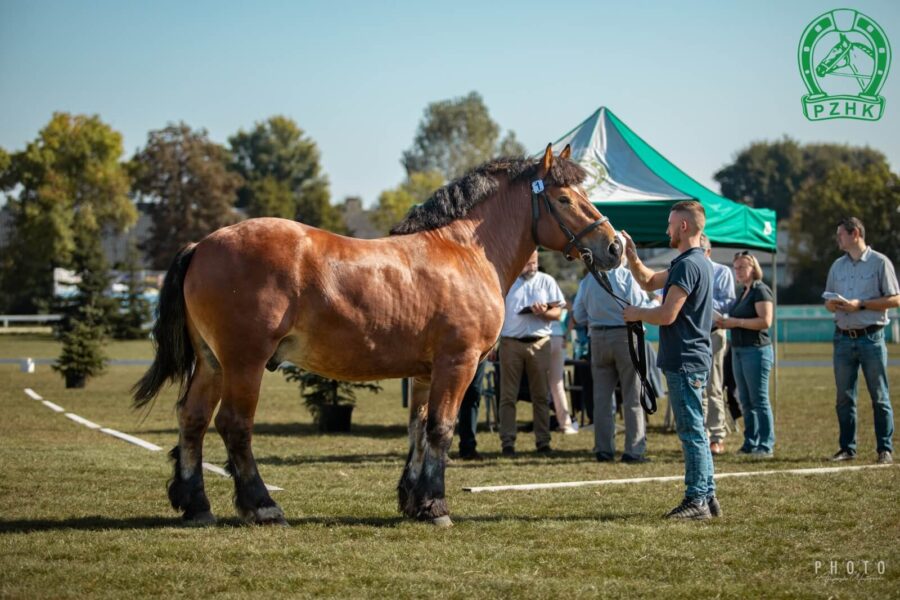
538 193
636 345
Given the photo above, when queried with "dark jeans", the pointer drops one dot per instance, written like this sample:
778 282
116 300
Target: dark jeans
468 412
870 353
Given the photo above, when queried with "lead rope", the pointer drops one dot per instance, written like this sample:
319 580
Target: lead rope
637 347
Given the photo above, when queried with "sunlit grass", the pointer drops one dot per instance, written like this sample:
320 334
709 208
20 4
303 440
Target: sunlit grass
85 515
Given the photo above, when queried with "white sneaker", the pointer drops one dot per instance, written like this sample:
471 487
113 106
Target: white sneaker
573 428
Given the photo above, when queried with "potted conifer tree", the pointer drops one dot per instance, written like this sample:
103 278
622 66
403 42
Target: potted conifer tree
329 401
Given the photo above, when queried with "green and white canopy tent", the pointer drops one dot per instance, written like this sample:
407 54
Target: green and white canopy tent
636 186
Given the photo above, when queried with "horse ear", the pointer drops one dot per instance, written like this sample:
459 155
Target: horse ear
548 159
567 152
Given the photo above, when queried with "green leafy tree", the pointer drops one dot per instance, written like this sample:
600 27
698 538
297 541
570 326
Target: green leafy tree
393 204
135 309
282 175
510 146
770 174
456 135
872 194
87 316
72 166
185 180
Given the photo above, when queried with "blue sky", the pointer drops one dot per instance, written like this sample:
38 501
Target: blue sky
698 80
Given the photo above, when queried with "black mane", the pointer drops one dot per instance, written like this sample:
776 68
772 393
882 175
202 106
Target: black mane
458 197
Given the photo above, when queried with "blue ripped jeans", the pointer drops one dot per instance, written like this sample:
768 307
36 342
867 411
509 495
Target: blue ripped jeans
686 397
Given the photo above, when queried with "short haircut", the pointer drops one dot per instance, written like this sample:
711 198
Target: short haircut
693 211
851 224
754 264
704 242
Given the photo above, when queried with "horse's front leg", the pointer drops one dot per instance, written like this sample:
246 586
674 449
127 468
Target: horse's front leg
428 455
418 415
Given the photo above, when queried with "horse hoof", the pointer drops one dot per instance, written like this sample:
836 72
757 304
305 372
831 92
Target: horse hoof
443 522
270 515
202 519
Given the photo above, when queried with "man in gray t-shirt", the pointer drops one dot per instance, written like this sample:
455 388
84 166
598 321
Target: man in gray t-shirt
862 286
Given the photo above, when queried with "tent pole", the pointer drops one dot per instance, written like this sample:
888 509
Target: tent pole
775 321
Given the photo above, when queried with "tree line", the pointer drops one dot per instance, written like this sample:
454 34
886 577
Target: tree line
72 184
811 187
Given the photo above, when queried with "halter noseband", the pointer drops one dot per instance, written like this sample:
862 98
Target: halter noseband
538 193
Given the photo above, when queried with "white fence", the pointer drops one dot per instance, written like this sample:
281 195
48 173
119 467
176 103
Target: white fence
7 319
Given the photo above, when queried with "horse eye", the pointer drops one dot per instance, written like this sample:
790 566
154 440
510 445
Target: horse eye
564 200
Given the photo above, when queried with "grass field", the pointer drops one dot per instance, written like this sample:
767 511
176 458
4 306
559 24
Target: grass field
85 514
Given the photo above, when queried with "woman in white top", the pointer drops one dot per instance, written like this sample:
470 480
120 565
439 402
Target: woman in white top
557 372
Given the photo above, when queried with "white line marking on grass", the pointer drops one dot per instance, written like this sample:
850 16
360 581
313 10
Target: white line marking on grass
83 421
220 471
216 469
572 484
131 439
53 407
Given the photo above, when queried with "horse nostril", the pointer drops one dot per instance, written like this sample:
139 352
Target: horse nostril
615 249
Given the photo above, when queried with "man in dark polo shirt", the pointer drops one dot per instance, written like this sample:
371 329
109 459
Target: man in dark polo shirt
685 349
865 284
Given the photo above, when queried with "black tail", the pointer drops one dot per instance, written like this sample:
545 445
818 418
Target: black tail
174 354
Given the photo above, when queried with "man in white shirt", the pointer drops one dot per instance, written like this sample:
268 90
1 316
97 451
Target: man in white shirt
533 301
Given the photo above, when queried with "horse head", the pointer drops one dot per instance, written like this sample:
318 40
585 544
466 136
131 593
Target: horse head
835 57
564 219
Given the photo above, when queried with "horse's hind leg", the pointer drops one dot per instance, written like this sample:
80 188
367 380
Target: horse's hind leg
186 489
234 421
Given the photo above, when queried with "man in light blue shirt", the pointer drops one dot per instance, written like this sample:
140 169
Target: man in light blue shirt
714 400
611 363
866 287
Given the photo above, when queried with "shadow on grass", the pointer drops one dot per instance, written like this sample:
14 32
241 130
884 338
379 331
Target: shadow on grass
394 457
100 523
93 523
457 519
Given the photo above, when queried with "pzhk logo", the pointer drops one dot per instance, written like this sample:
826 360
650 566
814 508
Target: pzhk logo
844 59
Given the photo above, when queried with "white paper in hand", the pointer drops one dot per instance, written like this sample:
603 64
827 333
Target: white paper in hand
833 296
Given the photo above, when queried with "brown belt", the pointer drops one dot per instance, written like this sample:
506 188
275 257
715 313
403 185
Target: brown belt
855 333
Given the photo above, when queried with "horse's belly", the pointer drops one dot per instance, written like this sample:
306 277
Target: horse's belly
335 357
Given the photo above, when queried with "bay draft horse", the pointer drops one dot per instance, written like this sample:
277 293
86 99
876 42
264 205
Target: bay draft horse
426 302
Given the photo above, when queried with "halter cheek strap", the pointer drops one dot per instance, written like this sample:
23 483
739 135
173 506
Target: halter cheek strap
539 193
